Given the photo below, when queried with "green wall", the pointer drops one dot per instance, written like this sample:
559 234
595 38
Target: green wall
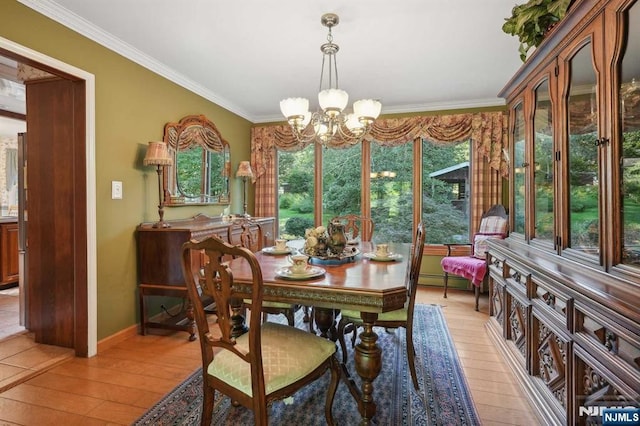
132 107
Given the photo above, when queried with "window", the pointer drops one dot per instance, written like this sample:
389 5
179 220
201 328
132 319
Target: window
446 191
379 181
341 182
295 191
391 192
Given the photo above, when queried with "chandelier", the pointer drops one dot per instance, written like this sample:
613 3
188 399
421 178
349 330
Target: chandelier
331 121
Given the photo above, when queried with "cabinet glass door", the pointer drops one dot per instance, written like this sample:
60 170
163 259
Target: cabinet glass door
582 117
543 164
518 170
629 95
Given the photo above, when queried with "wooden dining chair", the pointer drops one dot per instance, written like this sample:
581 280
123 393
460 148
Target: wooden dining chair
358 226
269 362
351 320
248 234
474 267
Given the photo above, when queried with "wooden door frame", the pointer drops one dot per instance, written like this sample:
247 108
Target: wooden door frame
85 345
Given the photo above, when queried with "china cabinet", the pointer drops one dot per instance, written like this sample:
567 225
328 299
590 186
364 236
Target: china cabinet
565 284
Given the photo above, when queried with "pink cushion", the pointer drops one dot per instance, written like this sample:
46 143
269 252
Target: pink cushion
467 267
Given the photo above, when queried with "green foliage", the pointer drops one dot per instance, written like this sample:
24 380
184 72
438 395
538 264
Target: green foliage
304 205
444 223
286 201
631 144
341 180
583 198
300 181
530 21
297 225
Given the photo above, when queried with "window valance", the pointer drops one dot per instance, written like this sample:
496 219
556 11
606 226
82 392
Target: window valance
487 131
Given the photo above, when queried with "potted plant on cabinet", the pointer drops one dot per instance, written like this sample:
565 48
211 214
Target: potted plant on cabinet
532 20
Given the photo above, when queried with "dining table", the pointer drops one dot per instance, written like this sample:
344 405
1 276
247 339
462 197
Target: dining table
361 282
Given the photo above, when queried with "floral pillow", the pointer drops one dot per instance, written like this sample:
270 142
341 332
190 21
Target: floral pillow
480 245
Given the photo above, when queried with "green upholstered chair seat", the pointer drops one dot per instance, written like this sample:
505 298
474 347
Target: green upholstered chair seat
288 354
267 304
397 315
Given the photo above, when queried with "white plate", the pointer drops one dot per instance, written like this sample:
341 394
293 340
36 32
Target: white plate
274 250
311 272
390 258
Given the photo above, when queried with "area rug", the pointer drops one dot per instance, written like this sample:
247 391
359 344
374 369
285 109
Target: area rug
443 399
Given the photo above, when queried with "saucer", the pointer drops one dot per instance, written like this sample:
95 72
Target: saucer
274 250
311 272
391 257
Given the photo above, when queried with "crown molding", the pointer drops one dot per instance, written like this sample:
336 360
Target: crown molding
76 23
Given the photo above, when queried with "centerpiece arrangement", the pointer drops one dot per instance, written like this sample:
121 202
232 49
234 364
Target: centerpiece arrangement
328 243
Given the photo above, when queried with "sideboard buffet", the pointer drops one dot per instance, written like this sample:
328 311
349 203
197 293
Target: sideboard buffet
159 267
565 285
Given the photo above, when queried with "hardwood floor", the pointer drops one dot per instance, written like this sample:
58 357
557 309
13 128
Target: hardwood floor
122 382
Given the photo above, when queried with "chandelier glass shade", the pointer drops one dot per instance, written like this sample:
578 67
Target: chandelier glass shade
331 121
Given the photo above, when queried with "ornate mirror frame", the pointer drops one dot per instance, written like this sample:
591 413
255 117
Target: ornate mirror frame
209 175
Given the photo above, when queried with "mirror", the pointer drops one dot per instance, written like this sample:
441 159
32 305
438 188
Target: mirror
200 174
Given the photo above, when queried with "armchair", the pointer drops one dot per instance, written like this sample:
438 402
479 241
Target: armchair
474 267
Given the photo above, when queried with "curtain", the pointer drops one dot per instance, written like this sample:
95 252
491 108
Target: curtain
487 131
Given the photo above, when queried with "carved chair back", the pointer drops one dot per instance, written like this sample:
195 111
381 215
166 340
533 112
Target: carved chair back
246 233
357 225
413 269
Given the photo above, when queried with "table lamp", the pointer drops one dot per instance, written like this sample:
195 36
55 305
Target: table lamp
158 155
244 171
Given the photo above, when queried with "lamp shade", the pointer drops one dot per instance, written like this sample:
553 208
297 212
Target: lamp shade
367 108
333 99
354 125
292 107
244 170
157 155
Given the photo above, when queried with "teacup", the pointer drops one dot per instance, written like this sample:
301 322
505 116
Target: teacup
281 245
298 263
382 250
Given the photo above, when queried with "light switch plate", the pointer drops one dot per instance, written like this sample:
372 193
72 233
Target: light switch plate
116 190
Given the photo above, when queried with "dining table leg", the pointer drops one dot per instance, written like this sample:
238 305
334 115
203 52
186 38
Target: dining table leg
368 363
238 324
325 320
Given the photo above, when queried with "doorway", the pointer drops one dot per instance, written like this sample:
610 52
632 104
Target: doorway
81 303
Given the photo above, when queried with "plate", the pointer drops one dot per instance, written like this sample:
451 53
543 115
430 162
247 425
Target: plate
353 242
274 250
311 272
392 257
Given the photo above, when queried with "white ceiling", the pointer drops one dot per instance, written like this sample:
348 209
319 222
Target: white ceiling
412 55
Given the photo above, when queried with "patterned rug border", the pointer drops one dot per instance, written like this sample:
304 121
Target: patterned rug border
444 396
